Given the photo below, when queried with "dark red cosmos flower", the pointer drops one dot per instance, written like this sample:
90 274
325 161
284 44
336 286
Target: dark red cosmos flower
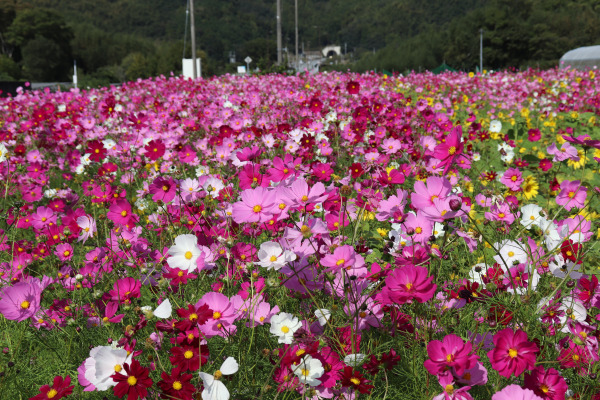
135 383
177 276
176 385
571 251
60 388
155 149
388 360
192 316
189 357
96 150
545 164
355 380
353 87
356 170
315 105
588 290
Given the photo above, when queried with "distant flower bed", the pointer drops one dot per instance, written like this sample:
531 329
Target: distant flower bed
317 236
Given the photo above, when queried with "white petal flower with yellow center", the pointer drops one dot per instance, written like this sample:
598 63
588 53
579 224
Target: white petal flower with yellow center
309 370
184 253
103 362
214 389
272 256
283 325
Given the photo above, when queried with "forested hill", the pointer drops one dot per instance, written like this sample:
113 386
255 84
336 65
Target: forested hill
115 40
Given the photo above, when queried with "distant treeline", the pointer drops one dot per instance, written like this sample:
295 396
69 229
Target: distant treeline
117 40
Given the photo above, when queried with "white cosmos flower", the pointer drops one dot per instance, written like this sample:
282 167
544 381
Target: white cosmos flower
477 273
283 325
531 215
552 237
495 126
213 186
309 370
560 267
272 256
164 310
510 251
323 315
88 227
184 253
214 389
574 312
103 362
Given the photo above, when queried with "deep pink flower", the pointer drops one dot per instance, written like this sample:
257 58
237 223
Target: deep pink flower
407 284
548 384
545 164
64 251
125 289
120 212
512 353
61 387
451 352
163 189
515 392
257 205
43 217
572 195
450 150
534 135
20 301
512 179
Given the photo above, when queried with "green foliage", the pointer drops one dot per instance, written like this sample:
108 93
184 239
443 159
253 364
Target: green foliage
9 70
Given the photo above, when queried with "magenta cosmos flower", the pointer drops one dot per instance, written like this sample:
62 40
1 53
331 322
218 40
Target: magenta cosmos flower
451 352
20 301
450 149
513 353
163 189
572 195
512 179
515 392
548 384
257 205
406 284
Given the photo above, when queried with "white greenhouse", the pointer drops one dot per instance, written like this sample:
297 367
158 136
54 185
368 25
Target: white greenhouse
582 58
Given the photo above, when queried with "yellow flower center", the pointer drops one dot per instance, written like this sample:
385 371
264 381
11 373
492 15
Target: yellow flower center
257 208
177 385
355 381
285 329
66 253
123 213
132 380
216 315
25 305
512 353
340 262
305 372
188 255
188 354
51 393
409 286
452 150
118 368
218 374
273 259
418 230
544 388
511 253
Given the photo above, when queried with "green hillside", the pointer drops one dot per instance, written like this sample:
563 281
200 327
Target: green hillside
116 40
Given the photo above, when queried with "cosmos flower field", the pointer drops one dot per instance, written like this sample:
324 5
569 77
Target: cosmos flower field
330 236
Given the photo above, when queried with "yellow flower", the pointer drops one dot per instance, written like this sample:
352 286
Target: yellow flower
382 232
580 163
471 74
530 187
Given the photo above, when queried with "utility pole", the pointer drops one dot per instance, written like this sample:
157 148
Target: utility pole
481 51
192 27
279 56
296 16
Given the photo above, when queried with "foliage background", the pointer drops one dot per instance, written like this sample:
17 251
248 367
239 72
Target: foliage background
118 40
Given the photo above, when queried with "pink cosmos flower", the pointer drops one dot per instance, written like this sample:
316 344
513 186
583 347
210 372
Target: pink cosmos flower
300 195
20 301
407 284
257 205
548 384
450 391
512 353
572 195
515 392
64 252
43 217
450 150
342 257
451 352
124 290
163 189
223 317
566 152
88 227
545 164
120 212
418 227
512 179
